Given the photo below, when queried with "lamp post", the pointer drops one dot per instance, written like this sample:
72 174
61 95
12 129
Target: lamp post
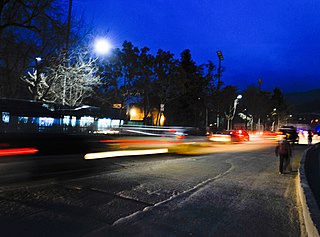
233 111
246 121
278 119
275 113
220 57
37 81
236 101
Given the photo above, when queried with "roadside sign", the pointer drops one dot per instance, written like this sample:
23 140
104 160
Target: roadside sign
161 107
117 106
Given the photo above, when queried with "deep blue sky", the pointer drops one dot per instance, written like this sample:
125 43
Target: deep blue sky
278 41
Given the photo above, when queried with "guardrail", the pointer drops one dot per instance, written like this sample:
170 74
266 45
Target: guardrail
309 189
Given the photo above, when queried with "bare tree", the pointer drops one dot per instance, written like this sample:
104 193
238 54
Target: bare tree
68 83
37 84
29 29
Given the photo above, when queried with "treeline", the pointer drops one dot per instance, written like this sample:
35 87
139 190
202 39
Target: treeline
188 93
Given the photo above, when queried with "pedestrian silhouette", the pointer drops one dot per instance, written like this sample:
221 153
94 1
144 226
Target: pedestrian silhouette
309 137
284 151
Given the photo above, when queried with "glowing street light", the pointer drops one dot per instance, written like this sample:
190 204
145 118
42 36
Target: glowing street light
102 46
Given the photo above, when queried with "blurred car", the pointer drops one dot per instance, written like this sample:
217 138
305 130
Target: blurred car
243 135
176 133
288 131
230 136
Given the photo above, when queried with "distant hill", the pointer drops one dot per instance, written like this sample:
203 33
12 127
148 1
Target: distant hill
304 102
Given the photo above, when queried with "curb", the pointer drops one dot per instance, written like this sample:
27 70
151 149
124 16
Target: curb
310 209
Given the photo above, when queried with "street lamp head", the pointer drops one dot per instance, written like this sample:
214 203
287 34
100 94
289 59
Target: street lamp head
102 46
220 56
239 97
38 59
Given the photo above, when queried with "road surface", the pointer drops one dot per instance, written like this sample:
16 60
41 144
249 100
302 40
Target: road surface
221 190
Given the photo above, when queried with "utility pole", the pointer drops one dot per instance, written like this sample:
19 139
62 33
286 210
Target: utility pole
68 27
67 49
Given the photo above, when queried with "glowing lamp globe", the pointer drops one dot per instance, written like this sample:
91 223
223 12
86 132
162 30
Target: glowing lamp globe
102 46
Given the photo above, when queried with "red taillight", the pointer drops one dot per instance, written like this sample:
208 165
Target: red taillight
17 151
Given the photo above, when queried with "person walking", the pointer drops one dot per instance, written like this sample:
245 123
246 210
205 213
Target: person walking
284 151
309 137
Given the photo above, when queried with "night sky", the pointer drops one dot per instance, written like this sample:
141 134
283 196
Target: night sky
278 41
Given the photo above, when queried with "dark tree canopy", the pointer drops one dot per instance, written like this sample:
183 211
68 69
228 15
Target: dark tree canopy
30 29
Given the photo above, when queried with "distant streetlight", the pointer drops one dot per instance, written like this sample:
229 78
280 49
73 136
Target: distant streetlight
102 46
220 57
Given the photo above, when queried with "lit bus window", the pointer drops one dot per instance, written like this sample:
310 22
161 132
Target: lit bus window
86 121
115 123
73 121
5 117
66 120
46 121
104 123
22 119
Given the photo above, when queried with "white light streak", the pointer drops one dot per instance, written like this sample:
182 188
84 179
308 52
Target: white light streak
109 154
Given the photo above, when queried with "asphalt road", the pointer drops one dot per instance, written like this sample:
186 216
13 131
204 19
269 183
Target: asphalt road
224 190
